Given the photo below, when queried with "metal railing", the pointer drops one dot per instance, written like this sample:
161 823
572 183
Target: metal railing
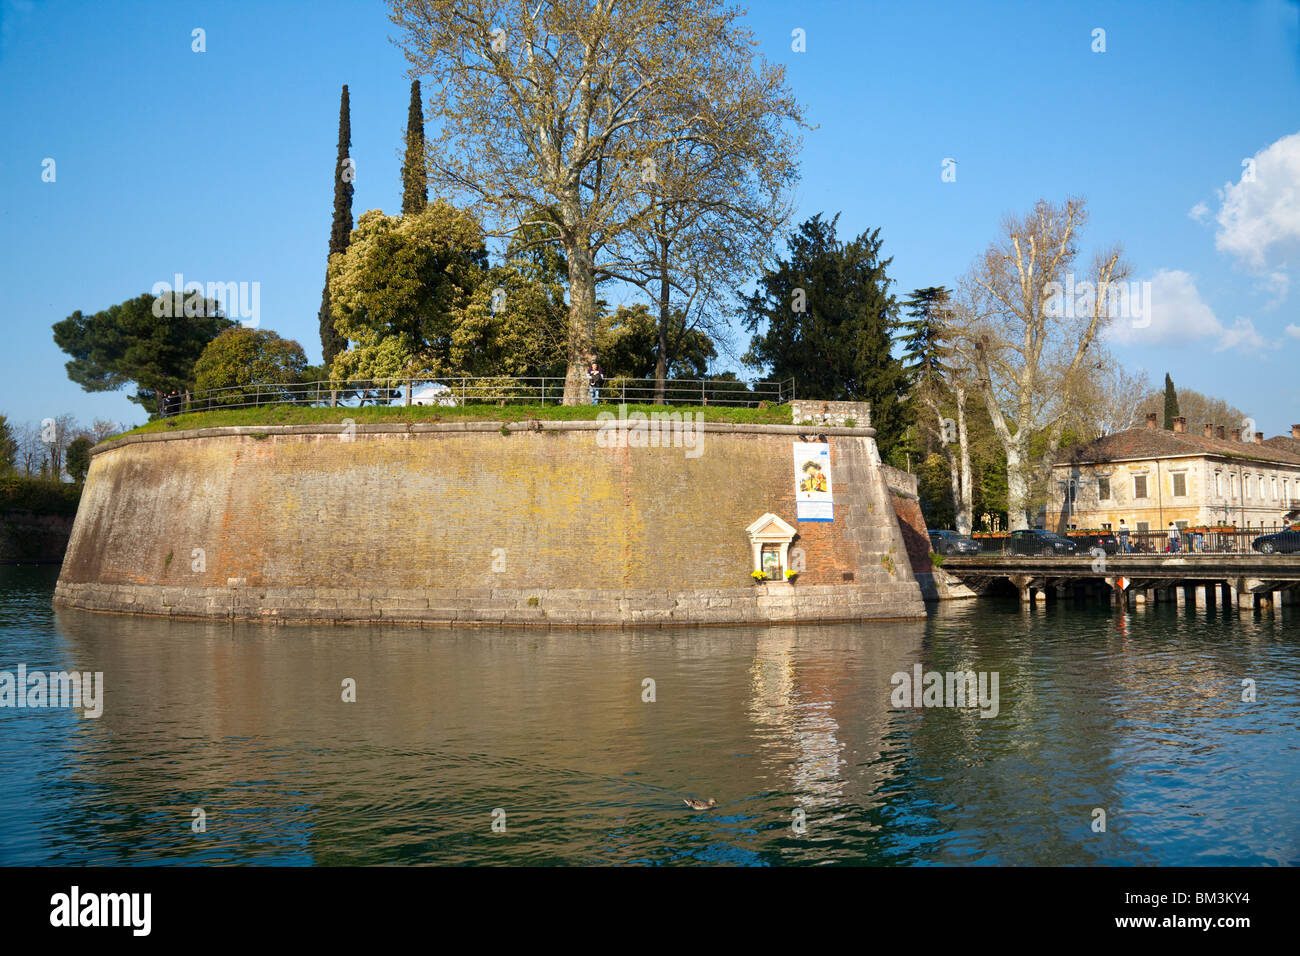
452 391
1210 541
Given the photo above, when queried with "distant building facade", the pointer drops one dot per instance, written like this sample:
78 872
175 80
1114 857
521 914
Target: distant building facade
1150 477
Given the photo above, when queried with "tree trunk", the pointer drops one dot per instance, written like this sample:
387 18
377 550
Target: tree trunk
965 506
1017 491
582 322
665 315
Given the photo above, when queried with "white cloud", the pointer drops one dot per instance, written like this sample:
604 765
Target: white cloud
1259 221
1293 330
1199 212
1178 315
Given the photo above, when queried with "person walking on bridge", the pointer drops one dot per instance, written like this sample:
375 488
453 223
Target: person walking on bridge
1174 538
1123 538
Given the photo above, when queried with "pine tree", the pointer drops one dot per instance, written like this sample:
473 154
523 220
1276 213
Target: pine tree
830 322
1171 403
330 341
415 191
923 346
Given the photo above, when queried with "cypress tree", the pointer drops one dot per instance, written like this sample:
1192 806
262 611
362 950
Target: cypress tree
415 193
1171 403
331 342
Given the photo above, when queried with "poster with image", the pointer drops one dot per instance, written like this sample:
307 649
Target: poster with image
812 481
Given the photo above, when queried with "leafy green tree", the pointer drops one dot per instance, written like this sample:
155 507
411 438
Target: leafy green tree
331 341
401 288
829 322
627 345
1171 403
78 458
8 445
249 365
415 179
131 342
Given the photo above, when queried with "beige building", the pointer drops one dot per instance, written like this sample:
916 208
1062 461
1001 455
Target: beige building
1150 477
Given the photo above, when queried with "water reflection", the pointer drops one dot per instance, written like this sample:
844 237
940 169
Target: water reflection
1136 712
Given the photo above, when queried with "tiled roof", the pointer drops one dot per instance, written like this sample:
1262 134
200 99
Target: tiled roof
1138 443
1284 443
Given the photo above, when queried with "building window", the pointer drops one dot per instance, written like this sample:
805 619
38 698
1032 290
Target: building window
1180 486
1274 489
1072 491
1218 484
1103 489
1143 527
1139 486
1245 486
1234 486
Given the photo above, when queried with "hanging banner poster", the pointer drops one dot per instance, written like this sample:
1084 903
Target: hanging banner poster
812 481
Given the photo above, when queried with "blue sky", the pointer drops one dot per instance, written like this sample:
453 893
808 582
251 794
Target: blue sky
218 165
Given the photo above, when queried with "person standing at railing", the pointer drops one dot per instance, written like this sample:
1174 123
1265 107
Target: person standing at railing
1123 538
1173 538
595 379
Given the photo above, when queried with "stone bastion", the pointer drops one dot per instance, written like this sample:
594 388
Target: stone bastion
533 523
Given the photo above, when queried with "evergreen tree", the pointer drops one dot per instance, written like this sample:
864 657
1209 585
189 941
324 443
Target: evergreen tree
8 445
923 346
830 323
415 190
1171 403
78 458
331 342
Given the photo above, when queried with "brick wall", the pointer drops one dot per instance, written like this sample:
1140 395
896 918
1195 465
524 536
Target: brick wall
409 522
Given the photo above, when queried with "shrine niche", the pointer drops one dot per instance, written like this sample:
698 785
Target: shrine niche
770 538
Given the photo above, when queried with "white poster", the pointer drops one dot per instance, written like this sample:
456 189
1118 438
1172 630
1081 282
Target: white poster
812 481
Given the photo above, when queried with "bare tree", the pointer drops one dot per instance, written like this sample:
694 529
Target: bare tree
102 429
1197 407
546 111
1111 401
716 192
1032 348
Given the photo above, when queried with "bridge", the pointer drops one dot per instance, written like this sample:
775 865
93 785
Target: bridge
1244 581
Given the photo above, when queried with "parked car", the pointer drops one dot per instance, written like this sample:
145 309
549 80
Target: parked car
950 542
1037 541
1281 542
1104 540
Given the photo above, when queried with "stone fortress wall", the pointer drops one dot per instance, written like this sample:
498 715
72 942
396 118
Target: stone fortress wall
541 523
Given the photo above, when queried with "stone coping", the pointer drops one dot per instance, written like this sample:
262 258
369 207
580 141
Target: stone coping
435 428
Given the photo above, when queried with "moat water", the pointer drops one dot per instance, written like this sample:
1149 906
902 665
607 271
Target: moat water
793 731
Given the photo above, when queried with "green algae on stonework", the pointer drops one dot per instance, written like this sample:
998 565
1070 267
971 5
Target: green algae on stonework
486 412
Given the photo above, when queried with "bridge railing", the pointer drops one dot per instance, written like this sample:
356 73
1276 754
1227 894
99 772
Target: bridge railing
457 390
1191 540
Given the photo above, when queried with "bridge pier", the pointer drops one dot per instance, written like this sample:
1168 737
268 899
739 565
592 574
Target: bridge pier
1242 598
1021 583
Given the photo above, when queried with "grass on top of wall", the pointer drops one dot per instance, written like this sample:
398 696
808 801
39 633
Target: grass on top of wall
488 412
